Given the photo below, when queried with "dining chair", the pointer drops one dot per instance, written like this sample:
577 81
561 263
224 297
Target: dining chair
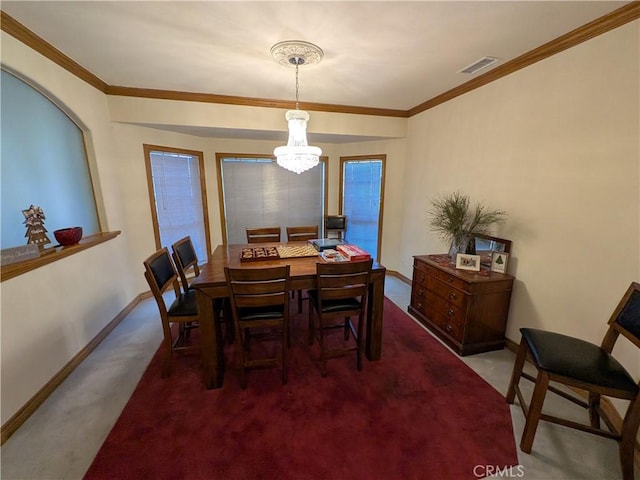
162 276
340 293
265 234
301 234
186 262
260 309
578 364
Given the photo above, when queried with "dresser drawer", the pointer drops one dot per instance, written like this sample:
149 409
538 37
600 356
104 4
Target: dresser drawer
419 277
451 280
447 292
447 316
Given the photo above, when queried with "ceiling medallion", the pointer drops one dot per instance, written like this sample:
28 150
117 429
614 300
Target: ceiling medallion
290 52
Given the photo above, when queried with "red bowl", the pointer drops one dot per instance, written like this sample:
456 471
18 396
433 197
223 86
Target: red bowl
68 236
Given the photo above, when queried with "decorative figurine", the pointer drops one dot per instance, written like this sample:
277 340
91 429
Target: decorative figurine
36 233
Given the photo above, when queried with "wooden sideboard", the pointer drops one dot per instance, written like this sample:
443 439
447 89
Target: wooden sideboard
467 310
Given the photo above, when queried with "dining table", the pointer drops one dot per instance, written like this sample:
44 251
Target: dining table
211 284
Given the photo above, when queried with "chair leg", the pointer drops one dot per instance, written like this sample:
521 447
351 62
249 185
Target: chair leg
347 320
594 404
360 340
627 443
323 352
285 354
517 373
241 333
299 301
535 410
311 329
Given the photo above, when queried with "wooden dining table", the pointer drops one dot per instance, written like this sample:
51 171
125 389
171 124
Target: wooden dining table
211 284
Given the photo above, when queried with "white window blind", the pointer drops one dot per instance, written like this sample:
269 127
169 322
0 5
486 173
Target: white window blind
178 199
259 193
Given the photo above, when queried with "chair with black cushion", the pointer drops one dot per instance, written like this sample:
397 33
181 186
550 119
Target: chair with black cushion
581 365
340 293
262 235
162 276
301 234
186 262
260 308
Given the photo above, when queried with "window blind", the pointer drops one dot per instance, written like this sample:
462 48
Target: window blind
178 199
362 187
259 193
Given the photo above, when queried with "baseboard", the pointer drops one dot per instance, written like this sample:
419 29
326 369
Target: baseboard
393 273
21 416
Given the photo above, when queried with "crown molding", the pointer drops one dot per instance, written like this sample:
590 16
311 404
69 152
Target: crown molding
601 25
14 28
615 19
249 102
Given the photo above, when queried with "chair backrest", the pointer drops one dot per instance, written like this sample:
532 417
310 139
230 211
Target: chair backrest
343 280
625 319
266 234
161 275
303 233
258 287
185 259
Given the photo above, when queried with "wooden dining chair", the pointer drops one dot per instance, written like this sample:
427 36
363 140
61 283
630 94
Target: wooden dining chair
183 310
260 308
265 234
340 293
186 260
578 364
301 234
187 263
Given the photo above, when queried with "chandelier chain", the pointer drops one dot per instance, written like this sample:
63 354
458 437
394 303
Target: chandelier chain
297 85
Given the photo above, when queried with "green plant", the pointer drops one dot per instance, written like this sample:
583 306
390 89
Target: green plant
455 221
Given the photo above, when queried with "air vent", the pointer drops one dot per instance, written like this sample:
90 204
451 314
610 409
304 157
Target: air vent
478 65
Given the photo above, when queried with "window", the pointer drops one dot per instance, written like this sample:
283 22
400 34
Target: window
44 163
178 197
361 200
256 192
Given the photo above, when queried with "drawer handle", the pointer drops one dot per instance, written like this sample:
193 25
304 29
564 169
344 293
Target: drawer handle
448 328
451 312
421 277
453 295
450 279
419 306
421 292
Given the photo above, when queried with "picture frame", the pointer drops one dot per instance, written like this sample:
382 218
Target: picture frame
499 261
468 262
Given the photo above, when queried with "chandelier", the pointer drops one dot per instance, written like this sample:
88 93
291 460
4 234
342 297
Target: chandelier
297 155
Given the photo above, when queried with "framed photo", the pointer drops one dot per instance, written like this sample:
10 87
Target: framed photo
468 262
499 262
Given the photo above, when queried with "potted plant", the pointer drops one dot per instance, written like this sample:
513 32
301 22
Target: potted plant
456 222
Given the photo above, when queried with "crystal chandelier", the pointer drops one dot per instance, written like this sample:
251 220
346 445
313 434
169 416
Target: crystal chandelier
297 155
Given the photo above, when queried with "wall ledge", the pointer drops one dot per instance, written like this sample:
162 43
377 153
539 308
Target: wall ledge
54 254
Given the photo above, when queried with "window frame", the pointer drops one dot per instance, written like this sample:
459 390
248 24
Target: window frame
203 191
362 158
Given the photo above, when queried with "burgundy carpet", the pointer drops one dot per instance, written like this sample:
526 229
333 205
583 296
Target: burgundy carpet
419 413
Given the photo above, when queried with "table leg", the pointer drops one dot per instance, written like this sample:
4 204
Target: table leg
210 338
375 310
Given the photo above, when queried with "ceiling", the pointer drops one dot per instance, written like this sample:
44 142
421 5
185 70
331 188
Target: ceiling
382 54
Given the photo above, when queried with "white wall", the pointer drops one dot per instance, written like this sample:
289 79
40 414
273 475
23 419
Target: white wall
51 313
556 145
